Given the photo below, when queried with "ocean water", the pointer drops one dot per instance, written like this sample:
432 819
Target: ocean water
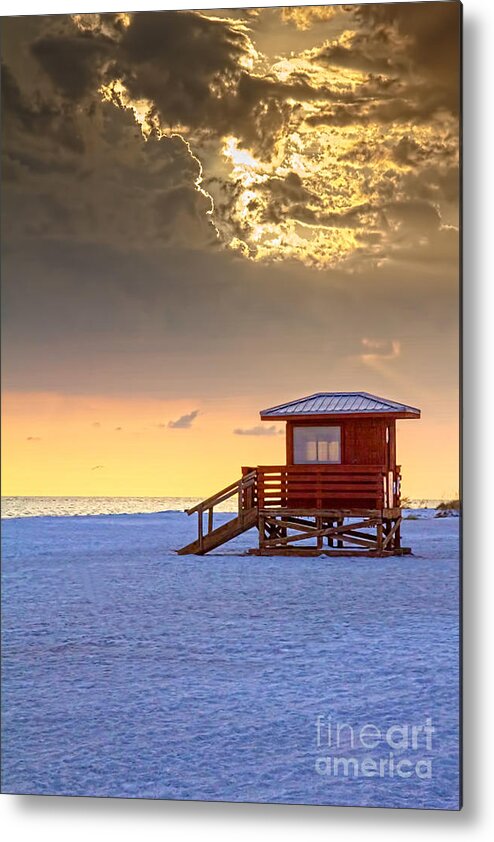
13 507
131 671
82 506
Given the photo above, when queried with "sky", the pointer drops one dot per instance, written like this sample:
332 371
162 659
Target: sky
205 213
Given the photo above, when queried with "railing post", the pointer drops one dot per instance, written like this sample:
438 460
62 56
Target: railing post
199 530
339 542
319 538
260 489
262 531
380 535
397 540
210 519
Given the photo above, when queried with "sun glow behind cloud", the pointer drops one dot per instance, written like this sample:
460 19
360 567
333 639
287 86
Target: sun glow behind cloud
142 109
345 145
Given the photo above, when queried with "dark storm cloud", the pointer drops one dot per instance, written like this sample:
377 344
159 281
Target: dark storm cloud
414 215
157 63
368 52
206 89
401 109
112 278
73 60
36 117
411 53
195 87
404 102
126 191
432 44
185 421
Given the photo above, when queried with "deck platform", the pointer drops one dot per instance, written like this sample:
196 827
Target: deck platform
288 531
289 526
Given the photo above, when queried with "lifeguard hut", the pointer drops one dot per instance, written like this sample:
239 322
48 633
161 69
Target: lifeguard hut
337 494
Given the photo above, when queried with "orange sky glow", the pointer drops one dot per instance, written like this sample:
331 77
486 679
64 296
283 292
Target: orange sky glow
56 445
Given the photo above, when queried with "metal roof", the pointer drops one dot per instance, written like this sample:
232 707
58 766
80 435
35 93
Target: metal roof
334 403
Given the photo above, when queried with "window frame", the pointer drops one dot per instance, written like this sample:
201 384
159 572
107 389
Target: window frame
317 427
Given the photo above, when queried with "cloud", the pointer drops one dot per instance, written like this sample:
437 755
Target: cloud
306 16
152 58
429 34
117 429
33 438
96 424
258 431
290 157
97 467
185 421
73 60
145 194
38 117
377 350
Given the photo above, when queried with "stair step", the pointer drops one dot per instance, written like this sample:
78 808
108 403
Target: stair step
226 532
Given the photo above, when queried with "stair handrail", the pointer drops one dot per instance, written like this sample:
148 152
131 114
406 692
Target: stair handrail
236 487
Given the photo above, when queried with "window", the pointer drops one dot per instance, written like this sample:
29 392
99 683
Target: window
316 444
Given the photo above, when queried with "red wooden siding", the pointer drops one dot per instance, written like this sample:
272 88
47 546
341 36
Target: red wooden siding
363 440
321 486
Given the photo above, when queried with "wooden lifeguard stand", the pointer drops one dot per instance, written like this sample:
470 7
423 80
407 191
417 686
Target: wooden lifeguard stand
337 494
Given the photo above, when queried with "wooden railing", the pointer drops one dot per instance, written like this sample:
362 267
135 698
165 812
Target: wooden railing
301 487
327 487
245 490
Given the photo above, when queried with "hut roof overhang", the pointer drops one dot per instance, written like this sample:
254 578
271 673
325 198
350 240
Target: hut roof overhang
329 405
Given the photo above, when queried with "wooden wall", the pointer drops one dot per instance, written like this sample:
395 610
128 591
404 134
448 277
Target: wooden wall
363 440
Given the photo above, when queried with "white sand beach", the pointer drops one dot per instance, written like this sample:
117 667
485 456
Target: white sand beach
131 671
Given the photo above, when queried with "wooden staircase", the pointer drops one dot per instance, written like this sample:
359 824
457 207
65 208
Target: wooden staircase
246 517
